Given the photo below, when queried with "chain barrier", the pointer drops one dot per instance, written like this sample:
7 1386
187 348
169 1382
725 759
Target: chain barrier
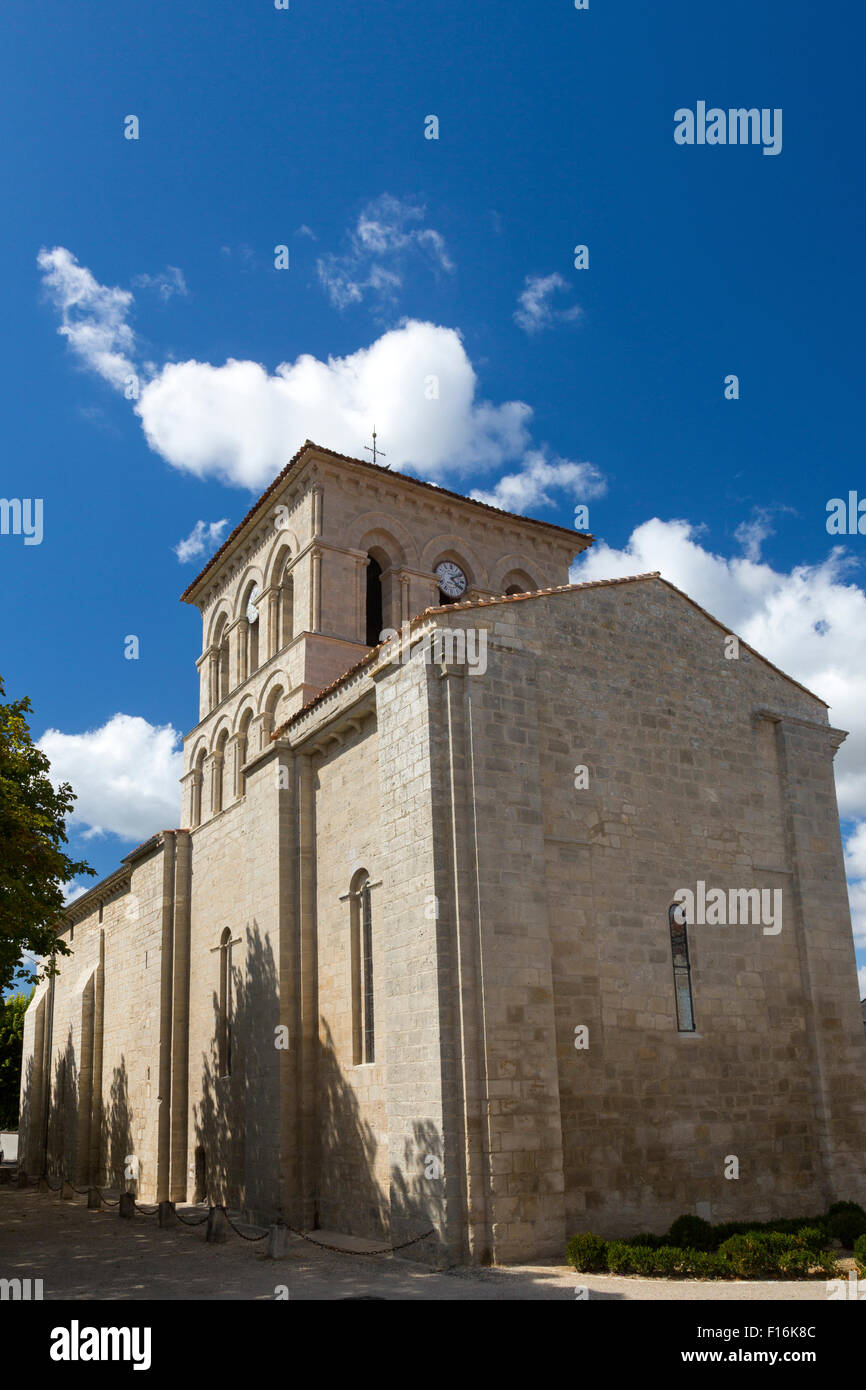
184 1222
338 1249
302 1235
235 1229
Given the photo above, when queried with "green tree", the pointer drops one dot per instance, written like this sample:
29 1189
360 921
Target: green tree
33 866
12 1011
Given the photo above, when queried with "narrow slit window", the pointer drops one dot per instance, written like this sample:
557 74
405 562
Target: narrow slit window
367 947
682 968
361 947
224 1038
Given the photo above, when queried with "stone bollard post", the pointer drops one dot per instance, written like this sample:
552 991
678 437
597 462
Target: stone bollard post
66 1191
217 1226
278 1241
22 1178
127 1205
94 1200
167 1214
42 1185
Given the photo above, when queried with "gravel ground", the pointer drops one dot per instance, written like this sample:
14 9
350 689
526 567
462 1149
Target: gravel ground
81 1254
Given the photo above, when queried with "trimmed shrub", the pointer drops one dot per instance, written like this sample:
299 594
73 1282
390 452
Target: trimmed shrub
643 1260
847 1223
790 1246
691 1233
646 1238
845 1206
671 1260
797 1262
811 1238
587 1252
706 1264
757 1253
621 1257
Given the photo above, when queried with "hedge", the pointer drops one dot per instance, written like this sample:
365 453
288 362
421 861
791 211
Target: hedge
789 1247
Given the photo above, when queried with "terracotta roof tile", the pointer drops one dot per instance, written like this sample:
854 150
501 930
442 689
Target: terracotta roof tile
523 598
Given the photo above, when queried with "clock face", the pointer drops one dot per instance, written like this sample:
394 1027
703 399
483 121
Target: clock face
252 611
452 580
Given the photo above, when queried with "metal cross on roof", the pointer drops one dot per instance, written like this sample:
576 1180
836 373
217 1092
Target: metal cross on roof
377 453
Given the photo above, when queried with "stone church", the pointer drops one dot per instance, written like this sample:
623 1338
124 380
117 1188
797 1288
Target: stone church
419 957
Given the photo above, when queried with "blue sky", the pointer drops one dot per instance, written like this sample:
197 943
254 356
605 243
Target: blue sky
306 128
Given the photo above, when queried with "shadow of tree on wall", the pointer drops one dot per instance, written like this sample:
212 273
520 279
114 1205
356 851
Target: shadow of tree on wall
236 1122
237 1117
63 1113
28 1146
350 1196
116 1143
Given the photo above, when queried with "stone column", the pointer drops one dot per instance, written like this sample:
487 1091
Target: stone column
96 1066
269 609
315 589
236 754
318 510
178 1086
190 799
85 1084
237 638
256 735
308 990
213 771
818 913
204 667
163 1122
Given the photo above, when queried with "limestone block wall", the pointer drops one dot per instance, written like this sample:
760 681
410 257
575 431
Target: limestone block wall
133 932
688 782
426 1141
96 1035
353 1156
492 880
233 1120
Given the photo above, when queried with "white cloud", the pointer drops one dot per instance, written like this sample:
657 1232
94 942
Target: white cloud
381 245
204 537
808 621
167 283
535 310
240 423
93 316
861 977
125 775
855 863
71 891
538 479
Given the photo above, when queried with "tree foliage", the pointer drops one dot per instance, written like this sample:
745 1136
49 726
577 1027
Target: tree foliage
33 866
12 1011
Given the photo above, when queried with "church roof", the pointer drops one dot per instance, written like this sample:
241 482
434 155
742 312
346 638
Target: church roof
297 460
524 598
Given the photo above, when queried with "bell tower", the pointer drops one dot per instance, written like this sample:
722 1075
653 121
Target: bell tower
335 551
